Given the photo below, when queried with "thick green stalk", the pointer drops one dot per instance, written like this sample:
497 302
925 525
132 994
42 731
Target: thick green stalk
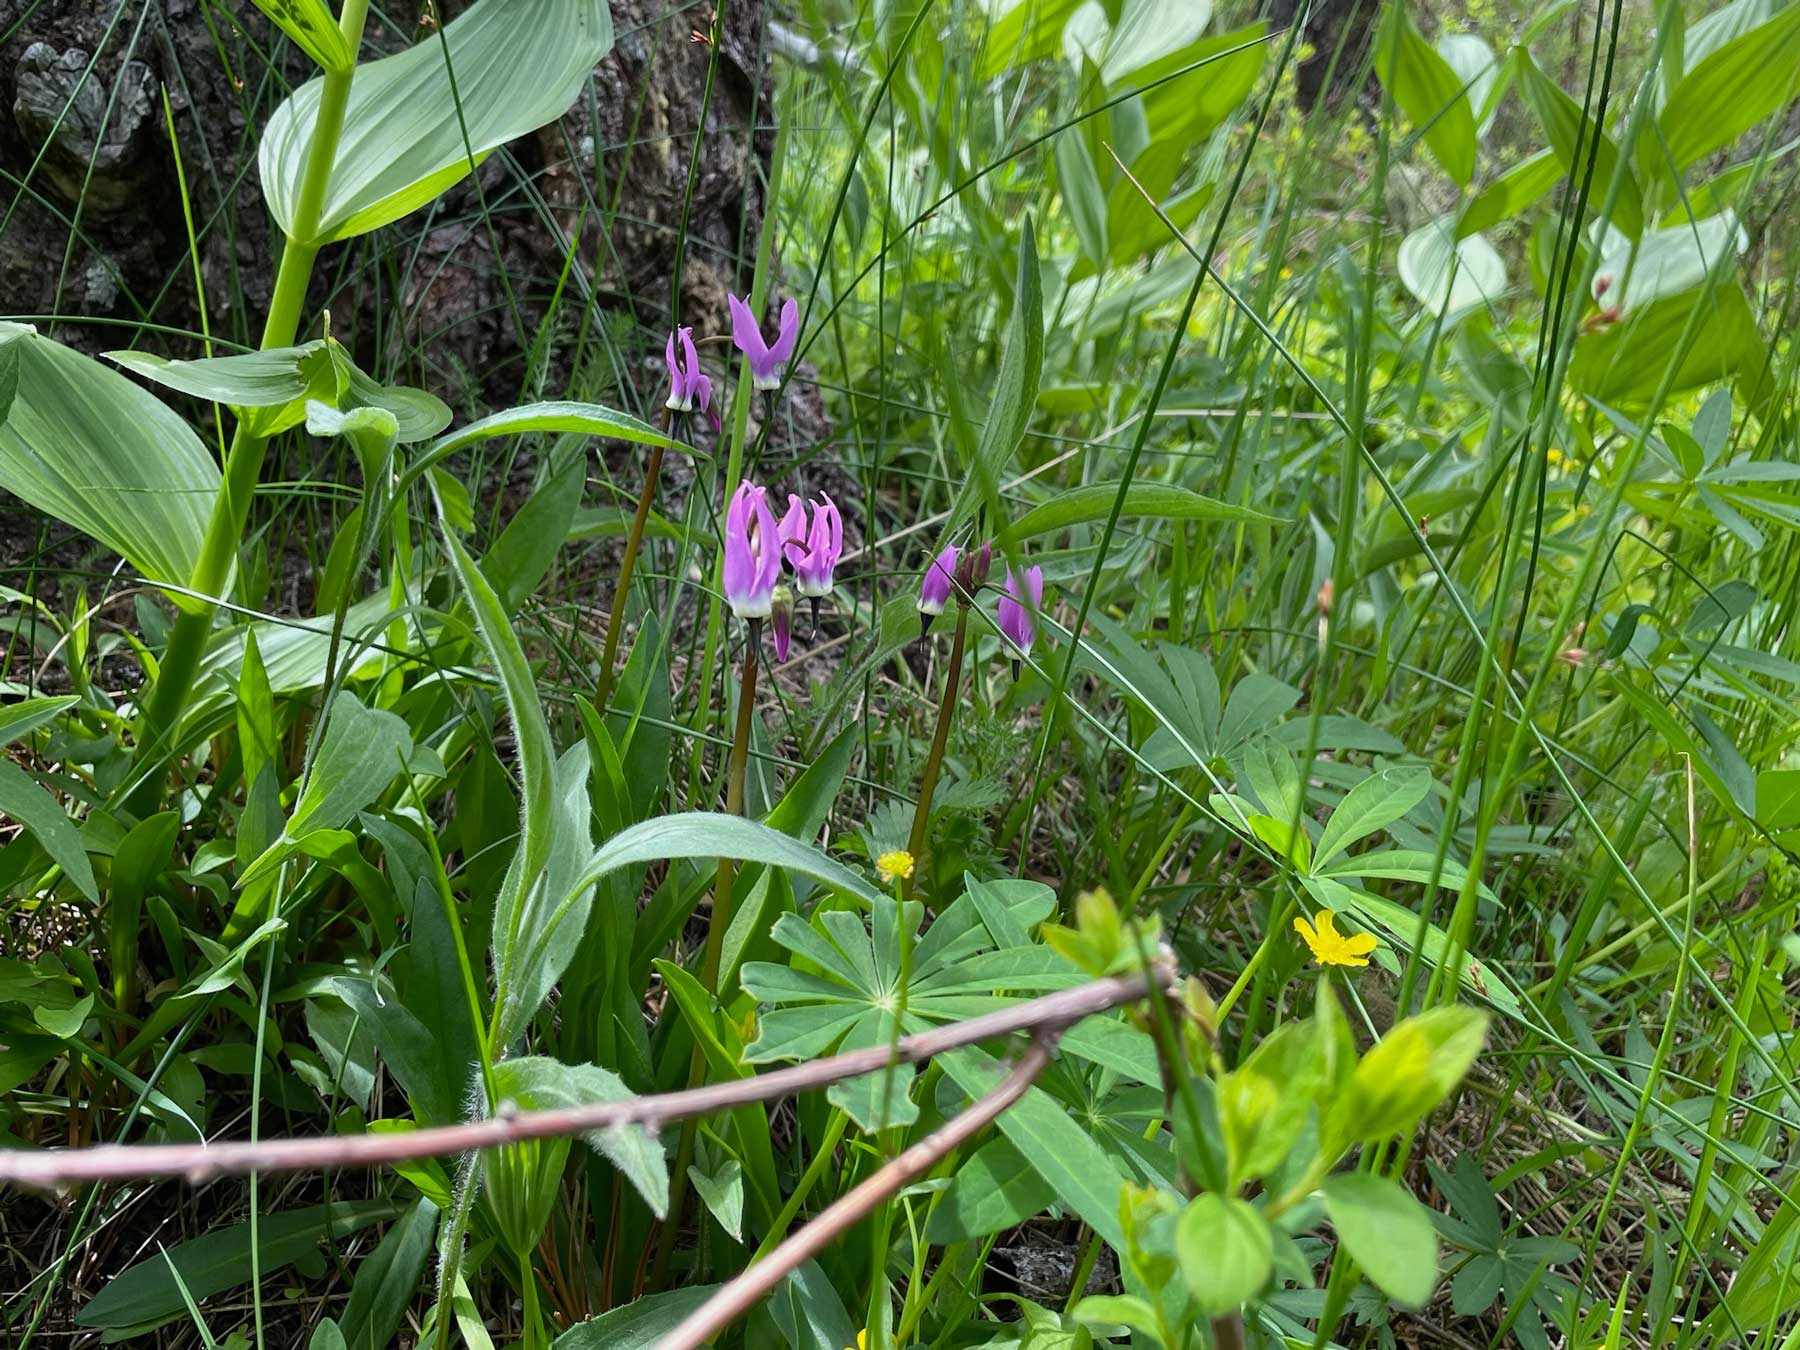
934 762
243 461
714 951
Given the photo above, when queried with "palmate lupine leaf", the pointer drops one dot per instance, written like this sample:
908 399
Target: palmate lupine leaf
517 65
86 445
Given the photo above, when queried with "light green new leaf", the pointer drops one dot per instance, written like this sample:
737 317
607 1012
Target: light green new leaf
314 31
518 65
1732 88
87 446
1226 1250
1086 505
1564 126
1386 1232
1405 1076
1429 92
27 803
1373 804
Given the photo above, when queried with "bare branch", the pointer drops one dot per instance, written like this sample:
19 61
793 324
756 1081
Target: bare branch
758 1281
46 1168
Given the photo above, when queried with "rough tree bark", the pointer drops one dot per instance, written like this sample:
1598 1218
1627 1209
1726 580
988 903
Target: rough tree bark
93 223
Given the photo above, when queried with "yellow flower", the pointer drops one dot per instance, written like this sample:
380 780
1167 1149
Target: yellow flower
1332 948
894 863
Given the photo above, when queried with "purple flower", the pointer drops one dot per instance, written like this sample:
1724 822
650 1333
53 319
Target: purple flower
934 587
813 552
689 387
752 553
1017 608
767 361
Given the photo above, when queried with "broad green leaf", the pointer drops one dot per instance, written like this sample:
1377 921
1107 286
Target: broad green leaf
1510 193
1386 1232
1373 804
1145 33
25 802
1428 91
87 446
996 1188
270 388
1668 262
641 1325
1030 30
1480 72
9 378
310 24
1450 275
1014 396
386 1279
1086 505
1732 88
587 419
1226 1250
518 65
18 720
220 1260
1626 363
1564 124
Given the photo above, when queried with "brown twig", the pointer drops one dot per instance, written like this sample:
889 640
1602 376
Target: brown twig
758 1281
50 1168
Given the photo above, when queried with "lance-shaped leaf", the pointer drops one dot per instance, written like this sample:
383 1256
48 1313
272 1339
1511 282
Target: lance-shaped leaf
86 445
503 69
